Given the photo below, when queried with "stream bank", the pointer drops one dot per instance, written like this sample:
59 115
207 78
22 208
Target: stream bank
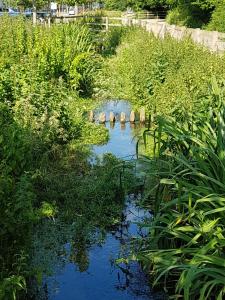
77 258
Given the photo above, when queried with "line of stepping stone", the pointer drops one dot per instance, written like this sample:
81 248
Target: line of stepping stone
112 118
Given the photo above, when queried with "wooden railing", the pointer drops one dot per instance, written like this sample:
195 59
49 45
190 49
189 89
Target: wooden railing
96 22
104 23
146 15
213 40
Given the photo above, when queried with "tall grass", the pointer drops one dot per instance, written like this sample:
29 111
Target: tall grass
167 76
186 241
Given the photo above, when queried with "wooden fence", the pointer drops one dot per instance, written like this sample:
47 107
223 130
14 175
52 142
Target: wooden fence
213 40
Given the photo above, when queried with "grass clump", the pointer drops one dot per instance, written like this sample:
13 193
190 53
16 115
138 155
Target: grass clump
185 189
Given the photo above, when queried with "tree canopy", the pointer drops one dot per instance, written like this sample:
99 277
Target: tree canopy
190 13
122 4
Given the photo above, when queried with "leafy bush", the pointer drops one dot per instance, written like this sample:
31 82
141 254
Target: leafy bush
217 22
116 5
43 74
111 40
149 74
184 16
186 235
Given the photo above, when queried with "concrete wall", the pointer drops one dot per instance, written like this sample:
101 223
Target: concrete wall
213 40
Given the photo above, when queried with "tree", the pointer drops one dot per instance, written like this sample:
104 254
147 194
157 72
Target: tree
135 4
191 13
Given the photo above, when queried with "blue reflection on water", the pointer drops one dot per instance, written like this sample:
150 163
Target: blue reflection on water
102 280
122 141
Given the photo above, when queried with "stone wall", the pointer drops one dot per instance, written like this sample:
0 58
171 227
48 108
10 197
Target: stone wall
213 40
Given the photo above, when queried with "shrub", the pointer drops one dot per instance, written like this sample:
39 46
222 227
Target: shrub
150 74
183 16
43 74
217 21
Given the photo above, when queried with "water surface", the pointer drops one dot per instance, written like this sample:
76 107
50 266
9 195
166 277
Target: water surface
85 268
122 142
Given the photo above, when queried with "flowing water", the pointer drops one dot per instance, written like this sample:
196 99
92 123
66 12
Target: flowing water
86 270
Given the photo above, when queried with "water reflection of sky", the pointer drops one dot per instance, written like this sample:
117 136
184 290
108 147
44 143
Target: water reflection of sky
122 141
102 280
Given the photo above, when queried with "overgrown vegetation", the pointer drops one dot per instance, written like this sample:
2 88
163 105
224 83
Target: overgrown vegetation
151 75
217 19
184 96
186 192
46 78
207 14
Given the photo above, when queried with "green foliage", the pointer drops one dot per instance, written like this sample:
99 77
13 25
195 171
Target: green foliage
89 200
10 286
189 13
186 235
185 172
204 4
149 74
47 210
192 13
116 5
217 19
43 74
81 189
184 16
134 4
111 40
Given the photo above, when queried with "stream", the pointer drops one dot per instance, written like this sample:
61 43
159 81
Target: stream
87 270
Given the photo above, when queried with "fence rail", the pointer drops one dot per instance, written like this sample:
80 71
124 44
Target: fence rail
213 40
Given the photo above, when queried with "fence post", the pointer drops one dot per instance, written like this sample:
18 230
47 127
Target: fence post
83 9
107 23
129 22
122 118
